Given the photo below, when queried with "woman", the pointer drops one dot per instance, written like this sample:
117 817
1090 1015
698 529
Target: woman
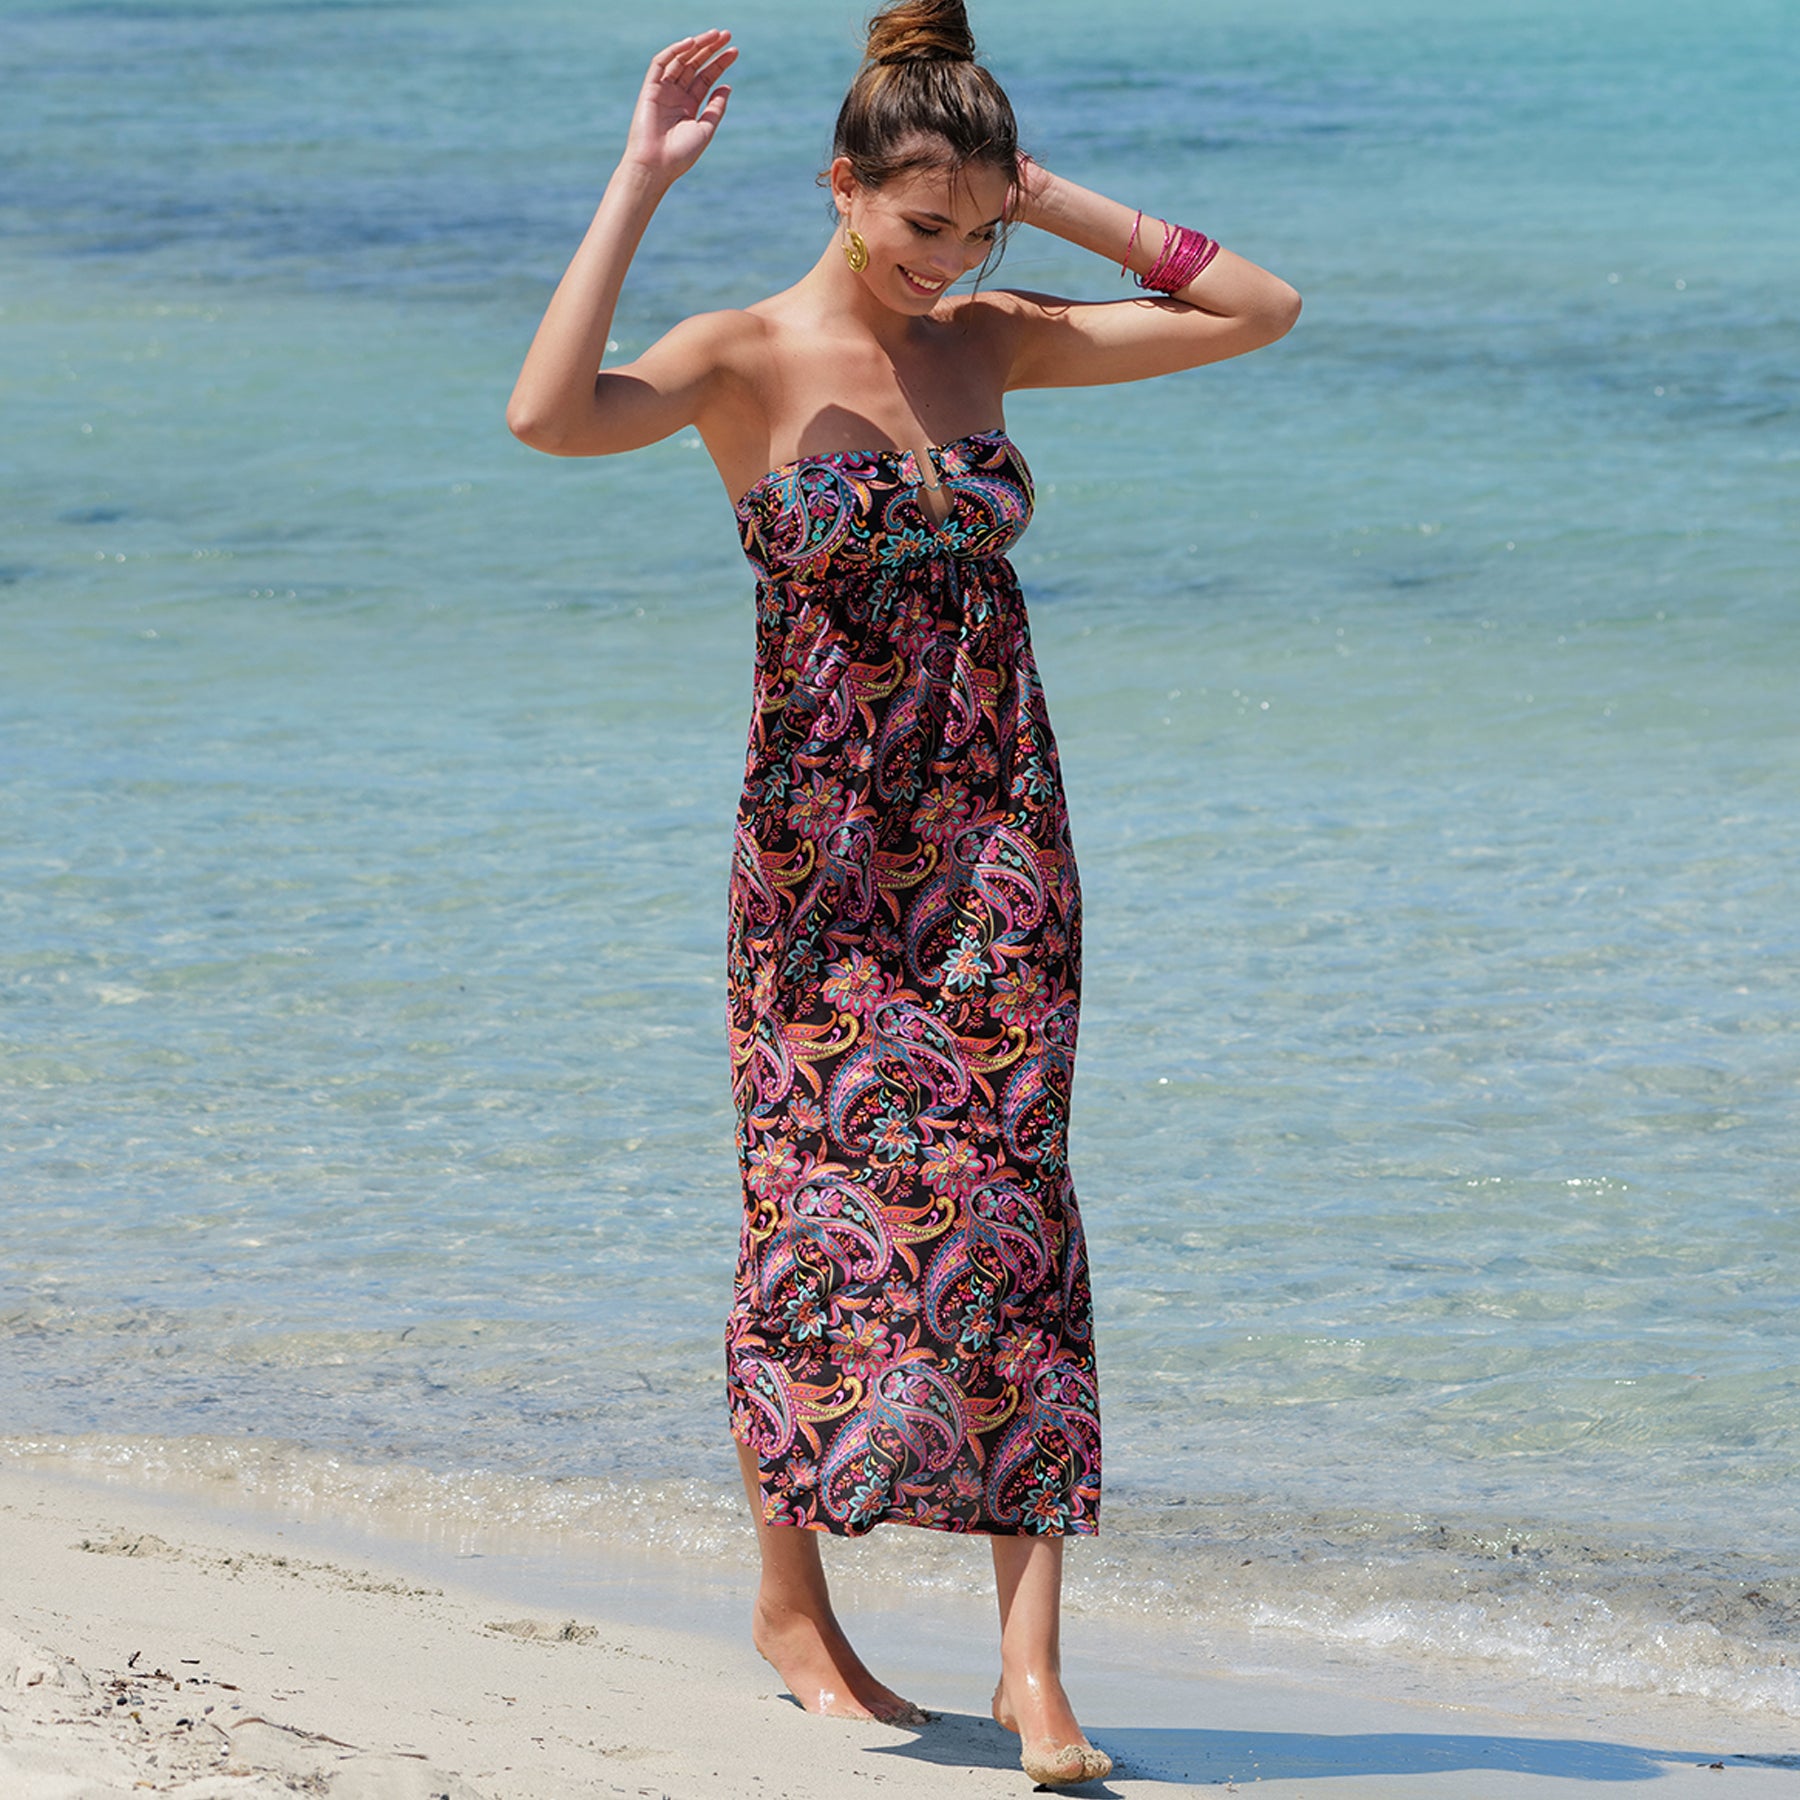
910 1337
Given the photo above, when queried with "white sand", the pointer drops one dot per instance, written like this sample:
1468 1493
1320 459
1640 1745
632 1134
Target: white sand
149 1649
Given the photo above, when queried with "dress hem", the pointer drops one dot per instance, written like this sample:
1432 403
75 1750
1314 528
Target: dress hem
1086 1527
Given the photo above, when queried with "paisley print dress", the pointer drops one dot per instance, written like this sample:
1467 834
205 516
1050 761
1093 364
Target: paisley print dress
909 1337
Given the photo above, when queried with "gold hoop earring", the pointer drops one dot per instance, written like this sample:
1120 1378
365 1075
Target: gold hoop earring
856 252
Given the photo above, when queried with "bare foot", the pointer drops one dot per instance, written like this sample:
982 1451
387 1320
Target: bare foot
1053 1749
823 1672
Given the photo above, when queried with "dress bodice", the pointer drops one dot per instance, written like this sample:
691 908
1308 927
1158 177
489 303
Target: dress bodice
858 513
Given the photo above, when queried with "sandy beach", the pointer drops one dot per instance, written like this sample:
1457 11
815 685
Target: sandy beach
150 1647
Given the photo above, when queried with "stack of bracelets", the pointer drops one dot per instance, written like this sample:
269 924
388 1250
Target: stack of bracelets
1185 254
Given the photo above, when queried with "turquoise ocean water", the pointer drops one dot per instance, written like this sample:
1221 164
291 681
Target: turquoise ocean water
1425 686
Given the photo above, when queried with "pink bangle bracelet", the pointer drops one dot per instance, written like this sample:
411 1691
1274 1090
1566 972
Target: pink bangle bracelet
1131 244
1185 256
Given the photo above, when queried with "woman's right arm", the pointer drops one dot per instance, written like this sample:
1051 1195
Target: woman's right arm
563 403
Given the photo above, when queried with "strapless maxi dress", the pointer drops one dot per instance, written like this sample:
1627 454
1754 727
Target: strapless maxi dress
910 1335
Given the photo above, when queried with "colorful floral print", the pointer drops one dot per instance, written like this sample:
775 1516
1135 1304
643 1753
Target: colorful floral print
910 1335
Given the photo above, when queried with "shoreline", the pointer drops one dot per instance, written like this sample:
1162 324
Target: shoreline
1490 1610
313 1652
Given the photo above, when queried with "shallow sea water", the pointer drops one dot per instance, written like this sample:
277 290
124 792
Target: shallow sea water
1424 685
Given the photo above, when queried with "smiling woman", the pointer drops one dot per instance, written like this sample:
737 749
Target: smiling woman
911 1336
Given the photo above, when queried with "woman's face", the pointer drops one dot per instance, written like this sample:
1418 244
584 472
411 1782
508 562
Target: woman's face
924 228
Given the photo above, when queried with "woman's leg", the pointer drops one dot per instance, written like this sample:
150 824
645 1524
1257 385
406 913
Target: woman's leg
1030 1698
795 1629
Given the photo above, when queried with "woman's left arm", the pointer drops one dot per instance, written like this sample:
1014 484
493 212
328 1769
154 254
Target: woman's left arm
1230 307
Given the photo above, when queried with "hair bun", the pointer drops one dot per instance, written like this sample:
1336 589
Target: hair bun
921 31
922 101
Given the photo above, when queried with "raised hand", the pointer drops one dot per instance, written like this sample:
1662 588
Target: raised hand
1025 202
679 107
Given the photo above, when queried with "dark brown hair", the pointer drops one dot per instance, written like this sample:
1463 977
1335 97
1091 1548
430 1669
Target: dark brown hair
920 99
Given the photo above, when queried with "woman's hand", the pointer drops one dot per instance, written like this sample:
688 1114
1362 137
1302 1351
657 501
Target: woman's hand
560 403
1024 205
679 108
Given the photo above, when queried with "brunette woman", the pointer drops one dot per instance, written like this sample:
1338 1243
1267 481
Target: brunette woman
910 1338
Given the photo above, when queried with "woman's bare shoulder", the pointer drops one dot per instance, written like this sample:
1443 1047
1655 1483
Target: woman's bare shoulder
991 323
997 313
1003 305
721 340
